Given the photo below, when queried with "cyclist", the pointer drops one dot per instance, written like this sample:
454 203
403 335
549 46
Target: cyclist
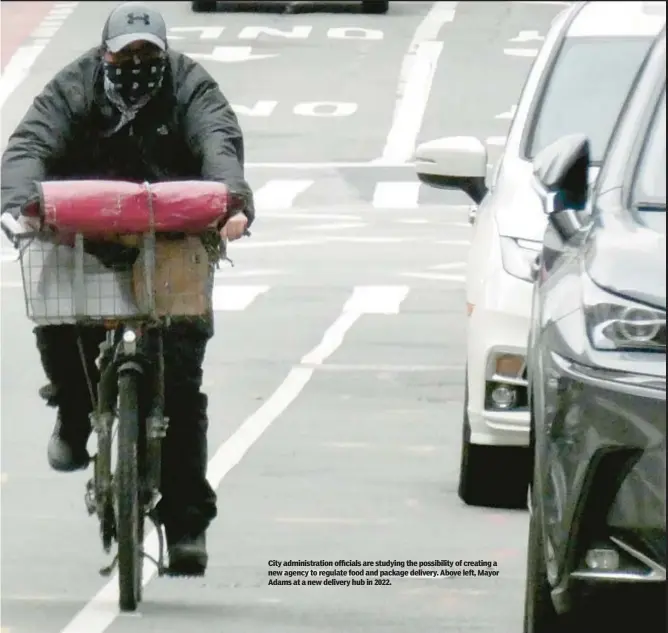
133 109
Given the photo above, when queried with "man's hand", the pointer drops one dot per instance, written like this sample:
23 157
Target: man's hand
235 227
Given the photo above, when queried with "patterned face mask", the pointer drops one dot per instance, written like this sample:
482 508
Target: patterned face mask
135 79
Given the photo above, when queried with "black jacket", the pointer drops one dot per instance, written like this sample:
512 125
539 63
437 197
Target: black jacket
187 131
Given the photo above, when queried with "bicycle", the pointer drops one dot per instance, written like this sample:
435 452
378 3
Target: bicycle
130 393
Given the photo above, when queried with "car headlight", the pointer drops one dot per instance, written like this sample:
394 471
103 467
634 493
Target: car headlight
615 323
518 257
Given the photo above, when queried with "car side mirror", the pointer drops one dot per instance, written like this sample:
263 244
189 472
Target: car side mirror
458 162
561 179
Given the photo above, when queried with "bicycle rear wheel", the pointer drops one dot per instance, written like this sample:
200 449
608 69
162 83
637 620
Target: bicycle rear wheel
130 519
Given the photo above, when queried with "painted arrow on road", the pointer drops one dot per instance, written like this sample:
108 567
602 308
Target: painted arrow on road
229 54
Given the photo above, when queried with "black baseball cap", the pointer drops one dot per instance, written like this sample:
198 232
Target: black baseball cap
134 22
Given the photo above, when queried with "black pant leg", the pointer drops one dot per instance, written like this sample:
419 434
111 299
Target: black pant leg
188 502
63 366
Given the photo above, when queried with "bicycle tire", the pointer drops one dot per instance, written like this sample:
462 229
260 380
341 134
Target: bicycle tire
130 519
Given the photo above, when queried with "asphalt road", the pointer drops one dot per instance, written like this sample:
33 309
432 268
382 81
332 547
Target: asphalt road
336 377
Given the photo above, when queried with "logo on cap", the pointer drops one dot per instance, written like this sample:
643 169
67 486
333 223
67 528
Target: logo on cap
133 17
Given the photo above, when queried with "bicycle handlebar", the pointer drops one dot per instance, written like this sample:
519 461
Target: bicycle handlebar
15 230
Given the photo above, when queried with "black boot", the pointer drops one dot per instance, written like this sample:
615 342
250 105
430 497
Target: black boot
68 390
188 556
67 450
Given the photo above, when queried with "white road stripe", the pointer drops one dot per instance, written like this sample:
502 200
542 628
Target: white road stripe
235 298
333 226
101 611
280 194
396 195
328 165
436 277
415 78
521 52
23 59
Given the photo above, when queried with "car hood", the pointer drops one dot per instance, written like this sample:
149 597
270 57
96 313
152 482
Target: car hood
630 263
519 209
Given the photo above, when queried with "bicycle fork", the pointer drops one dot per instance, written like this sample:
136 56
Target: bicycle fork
100 493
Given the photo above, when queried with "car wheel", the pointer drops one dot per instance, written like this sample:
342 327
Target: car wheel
377 8
203 7
492 476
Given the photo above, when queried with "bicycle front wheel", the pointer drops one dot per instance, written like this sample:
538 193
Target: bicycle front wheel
130 517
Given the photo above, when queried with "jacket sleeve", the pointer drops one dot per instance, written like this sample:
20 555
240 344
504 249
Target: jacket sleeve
214 134
38 140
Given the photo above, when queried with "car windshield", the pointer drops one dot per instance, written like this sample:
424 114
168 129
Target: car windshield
586 91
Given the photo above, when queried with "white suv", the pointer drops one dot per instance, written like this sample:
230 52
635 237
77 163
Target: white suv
577 84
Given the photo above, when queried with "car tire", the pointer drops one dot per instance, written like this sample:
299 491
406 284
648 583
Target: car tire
492 476
203 7
375 8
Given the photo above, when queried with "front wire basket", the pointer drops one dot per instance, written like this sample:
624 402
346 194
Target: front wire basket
66 284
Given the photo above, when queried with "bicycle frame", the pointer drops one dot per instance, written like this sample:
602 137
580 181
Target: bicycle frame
136 348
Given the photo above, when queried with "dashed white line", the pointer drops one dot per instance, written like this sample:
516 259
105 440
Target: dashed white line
329 165
396 195
333 226
415 79
436 277
235 298
280 194
521 52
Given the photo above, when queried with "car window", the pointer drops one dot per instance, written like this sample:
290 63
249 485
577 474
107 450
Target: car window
649 190
586 91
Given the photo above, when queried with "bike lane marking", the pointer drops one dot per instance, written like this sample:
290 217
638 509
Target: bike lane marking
415 80
24 56
17 21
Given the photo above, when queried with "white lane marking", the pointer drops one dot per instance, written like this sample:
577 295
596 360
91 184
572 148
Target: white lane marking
521 52
281 215
330 165
369 240
449 266
415 79
342 367
412 221
454 242
18 67
227 274
333 226
527 36
497 141
509 115
280 194
376 299
436 277
251 245
396 195
279 243
235 298
101 611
